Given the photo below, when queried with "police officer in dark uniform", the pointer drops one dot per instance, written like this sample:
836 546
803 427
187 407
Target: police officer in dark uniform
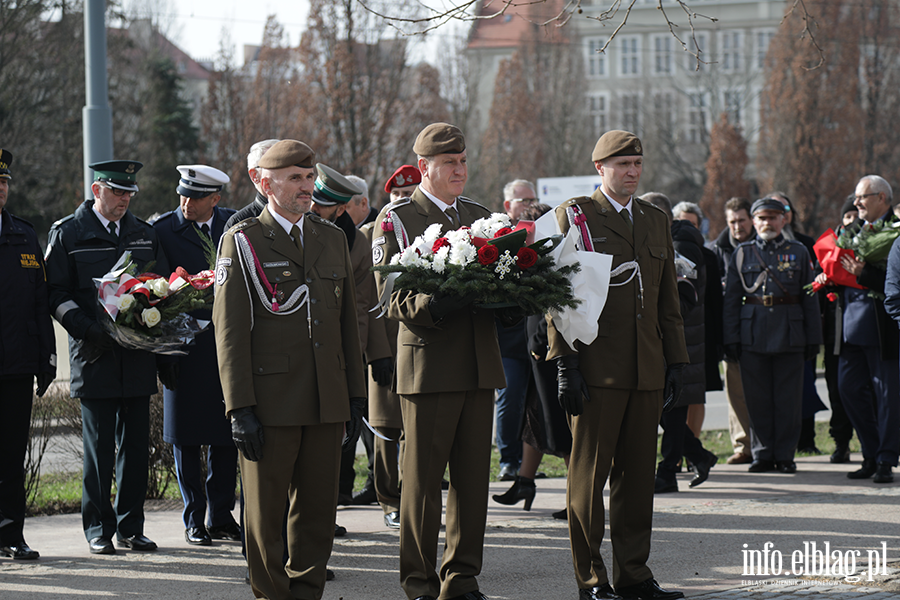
195 408
771 324
27 350
113 383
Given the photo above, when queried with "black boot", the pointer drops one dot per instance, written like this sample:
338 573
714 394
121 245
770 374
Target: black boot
523 488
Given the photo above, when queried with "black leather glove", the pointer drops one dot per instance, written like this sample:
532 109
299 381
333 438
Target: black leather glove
442 305
383 371
355 424
733 352
168 374
572 388
674 385
43 382
97 336
247 433
811 352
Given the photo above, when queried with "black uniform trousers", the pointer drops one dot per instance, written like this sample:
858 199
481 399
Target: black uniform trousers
677 441
16 395
773 388
108 424
221 469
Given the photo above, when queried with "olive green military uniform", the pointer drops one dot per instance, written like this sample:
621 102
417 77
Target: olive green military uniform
639 333
445 376
297 365
384 404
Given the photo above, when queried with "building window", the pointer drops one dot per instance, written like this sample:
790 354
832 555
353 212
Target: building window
697 46
662 54
598 109
698 107
732 101
631 112
730 50
664 112
761 40
595 62
630 59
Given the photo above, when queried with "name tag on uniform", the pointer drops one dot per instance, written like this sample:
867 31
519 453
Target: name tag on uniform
280 263
133 243
29 261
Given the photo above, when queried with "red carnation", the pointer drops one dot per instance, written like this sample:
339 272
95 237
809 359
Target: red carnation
832 297
525 258
439 243
488 254
503 231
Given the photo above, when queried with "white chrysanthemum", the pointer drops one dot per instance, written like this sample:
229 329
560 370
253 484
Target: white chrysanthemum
125 302
462 253
489 226
458 237
395 259
440 259
408 257
151 316
432 233
480 227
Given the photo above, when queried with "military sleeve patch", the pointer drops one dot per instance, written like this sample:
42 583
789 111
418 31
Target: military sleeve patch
377 254
222 272
223 262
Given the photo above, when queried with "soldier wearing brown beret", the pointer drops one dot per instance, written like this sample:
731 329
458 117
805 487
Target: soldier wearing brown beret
448 364
291 368
613 387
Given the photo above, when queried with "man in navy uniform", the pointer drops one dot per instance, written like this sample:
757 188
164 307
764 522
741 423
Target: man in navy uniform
113 383
770 325
27 350
195 407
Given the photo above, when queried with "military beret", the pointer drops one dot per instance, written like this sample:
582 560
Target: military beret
120 174
617 143
402 177
6 159
440 138
288 153
766 204
198 181
331 187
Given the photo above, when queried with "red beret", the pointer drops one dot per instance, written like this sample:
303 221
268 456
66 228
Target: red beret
402 177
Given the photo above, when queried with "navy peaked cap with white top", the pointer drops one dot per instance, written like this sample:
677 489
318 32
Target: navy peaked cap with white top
198 181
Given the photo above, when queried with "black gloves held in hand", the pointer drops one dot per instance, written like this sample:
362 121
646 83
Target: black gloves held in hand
442 305
383 371
674 385
97 336
572 388
43 382
355 424
247 433
168 374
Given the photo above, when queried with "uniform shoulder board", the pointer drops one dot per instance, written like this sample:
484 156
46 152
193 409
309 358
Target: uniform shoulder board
472 202
21 220
143 222
63 220
649 205
400 202
320 221
366 227
163 217
243 224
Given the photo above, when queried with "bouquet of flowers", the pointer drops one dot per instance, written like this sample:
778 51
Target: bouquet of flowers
872 242
829 252
150 312
488 259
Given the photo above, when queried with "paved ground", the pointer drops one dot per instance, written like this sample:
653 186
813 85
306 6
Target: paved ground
699 537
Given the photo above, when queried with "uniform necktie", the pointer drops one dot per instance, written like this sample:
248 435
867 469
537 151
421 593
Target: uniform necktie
627 218
295 233
204 229
453 216
112 229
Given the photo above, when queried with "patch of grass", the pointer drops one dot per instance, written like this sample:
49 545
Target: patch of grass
60 493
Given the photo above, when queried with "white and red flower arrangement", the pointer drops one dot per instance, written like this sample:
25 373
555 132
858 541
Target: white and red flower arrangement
150 312
489 259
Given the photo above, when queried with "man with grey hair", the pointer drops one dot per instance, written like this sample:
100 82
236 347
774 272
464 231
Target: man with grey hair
518 195
868 372
259 202
688 211
358 208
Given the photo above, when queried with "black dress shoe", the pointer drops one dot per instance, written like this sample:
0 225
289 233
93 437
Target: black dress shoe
841 454
522 489
21 551
761 466
476 595
867 470
231 532
345 499
601 592
101 545
197 536
883 474
702 469
339 530
786 466
664 486
562 515
365 497
329 575
392 520
138 542
426 598
648 590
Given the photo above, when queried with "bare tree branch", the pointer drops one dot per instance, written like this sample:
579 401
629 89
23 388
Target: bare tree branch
807 31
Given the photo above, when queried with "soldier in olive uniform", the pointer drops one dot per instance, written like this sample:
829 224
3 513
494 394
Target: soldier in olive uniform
613 387
770 324
292 372
448 364
113 383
